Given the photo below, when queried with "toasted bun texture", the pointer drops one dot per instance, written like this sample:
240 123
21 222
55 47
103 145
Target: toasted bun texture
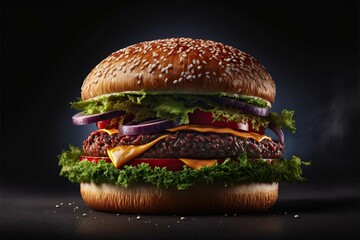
205 199
180 65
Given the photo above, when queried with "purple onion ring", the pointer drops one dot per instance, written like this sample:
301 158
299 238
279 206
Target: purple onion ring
246 108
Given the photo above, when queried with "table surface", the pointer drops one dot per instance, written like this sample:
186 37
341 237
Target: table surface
37 216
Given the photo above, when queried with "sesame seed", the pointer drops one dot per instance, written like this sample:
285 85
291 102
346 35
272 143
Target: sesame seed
175 81
180 80
198 61
204 62
193 76
199 75
220 79
220 63
194 61
166 71
188 77
208 77
166 80
170 66
138 82
214 73
190 66
199 67
160 75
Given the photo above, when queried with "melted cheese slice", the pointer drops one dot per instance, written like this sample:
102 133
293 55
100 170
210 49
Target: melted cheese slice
197 164
109 131
123 154
203 129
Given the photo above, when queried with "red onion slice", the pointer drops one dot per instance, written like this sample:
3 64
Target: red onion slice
246 108
82 119
147 127
279 133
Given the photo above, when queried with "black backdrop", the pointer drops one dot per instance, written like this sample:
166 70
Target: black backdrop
47 49
311 49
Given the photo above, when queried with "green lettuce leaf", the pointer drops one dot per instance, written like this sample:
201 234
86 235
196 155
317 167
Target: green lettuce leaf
285 119
231 172
176 107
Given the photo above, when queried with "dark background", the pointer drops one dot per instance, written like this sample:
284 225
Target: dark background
311 49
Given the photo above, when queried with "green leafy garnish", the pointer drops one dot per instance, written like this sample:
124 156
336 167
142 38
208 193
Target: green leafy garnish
232 171
284 120
176 107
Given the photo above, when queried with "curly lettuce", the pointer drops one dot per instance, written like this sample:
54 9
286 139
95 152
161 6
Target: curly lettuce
232 171
176 107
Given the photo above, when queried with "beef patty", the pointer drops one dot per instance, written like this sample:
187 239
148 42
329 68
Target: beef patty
186 145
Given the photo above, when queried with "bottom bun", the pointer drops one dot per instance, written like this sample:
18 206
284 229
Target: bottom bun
197 199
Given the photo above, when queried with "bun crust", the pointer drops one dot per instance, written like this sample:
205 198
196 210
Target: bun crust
150 199
180 65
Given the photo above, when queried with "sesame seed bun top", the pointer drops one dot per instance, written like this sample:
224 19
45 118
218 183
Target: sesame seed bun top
180 65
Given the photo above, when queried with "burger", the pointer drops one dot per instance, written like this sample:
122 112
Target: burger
183 126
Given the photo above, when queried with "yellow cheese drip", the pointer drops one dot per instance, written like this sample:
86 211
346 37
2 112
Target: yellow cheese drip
197 164
109 131
123 154
200 128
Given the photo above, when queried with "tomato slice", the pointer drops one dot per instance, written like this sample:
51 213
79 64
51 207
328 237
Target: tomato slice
172 164
205 118
110 123
95 159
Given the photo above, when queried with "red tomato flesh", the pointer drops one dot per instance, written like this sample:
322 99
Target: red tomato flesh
205 118
172 164
108 124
